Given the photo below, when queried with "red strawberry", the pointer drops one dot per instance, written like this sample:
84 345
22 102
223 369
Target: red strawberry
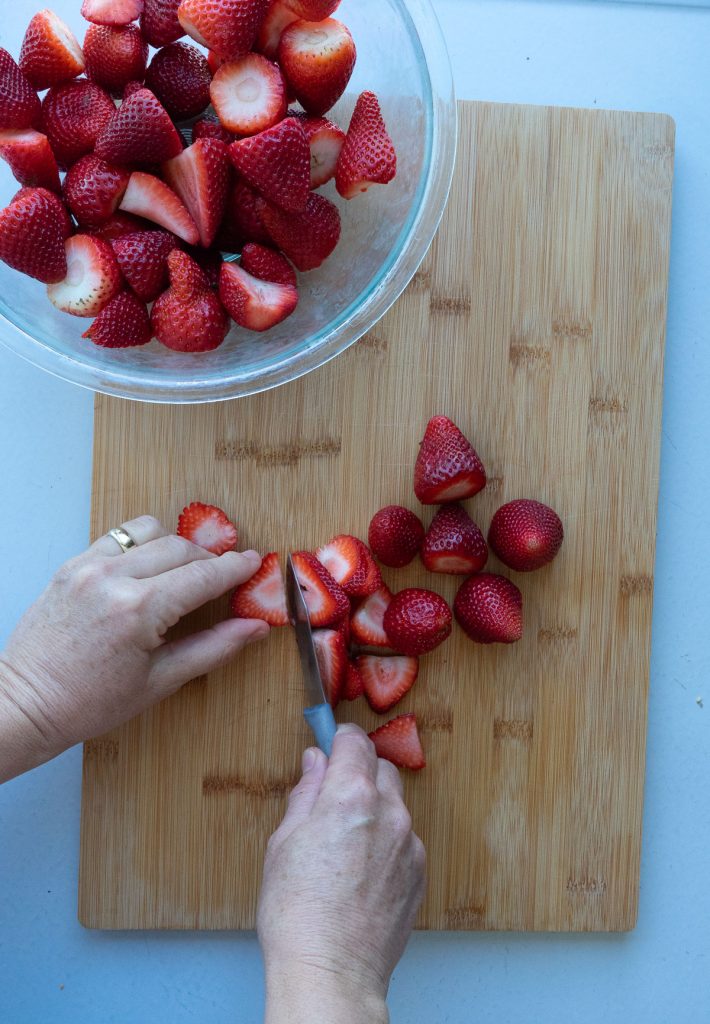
32 233
307 238
115 56
149 197
122 224
371 579
525 534
140 131
332 656
73 117
50 54
416 621
228 27
249 94
123 323
263 596
326 600
276 162
143 259
93 277
354 685
267 264
367 622
188 316
317 59
447 468
214 62
313 10
19 103
386 678
368 155
326 141
395 535
278 17
208 527
111 12
342 557
398 741
30 158
180 78
254 304
242 219
210 127
93 190
66 223
489 608
453 543
159 22
200 177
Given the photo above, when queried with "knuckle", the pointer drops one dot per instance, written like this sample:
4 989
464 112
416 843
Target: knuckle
128 599
401 821
359 792
180 547
148 523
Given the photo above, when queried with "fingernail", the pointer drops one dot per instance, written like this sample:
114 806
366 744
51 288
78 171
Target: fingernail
308 760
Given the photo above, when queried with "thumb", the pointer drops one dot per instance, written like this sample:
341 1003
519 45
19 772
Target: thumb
305 793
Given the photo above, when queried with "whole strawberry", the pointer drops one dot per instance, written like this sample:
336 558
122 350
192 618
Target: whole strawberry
73 117
307 238
417 621
525 534
180 78
447 467
395 535
115 56
159 22
143 259
368 155
489 609
32 233
93 189
277 162
453 543
188 317
49 54
19 103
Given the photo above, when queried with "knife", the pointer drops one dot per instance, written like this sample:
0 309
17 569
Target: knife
318 714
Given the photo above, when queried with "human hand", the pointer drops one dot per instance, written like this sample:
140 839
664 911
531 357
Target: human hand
91 652
343 880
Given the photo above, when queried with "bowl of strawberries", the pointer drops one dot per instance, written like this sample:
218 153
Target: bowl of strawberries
203 199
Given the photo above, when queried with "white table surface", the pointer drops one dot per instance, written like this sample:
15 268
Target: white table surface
629 56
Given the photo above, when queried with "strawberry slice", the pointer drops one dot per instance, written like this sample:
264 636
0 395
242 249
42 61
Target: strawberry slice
32 234
354 685
123 323
188 316
398 741
386 678
149 197
242 219
326 141
180 77
143 259
317 59
50 53
228 27
19 103
93 277
263 596
115 56
210 127
93 190
121 224
332 656
447 467
368 578
200 177
342 557
267 264
307 238
249 94
368 155
111 12
159 22
277 163
278 17
254 304
30 158
366 623
208 527
73 117
313 10
140 131
326 600
453 543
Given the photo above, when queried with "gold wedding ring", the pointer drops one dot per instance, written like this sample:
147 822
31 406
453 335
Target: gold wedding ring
123 539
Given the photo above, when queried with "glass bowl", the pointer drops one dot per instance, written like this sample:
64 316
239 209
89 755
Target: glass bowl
386 232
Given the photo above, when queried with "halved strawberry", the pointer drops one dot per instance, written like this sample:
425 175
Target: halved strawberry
326 141
19 103
267 264
332 656
317 59
200 177
93 277
254 304
228 27
453 543
32 234
30 158
398 741
123 323
111 12
50 54
121 224
242 219
368 155
307 238
159 22
395 535
140 131
249 94
325 599
342 558
277 163
180 77
366 623
369 578
278 17
263 596
210 127
188 316
354 685
149 197
386 678
143 259
313 10
208 527
447 467
93 190
73 117
115 56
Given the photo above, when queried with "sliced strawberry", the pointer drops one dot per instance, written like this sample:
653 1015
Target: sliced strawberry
149 197
94 189
354 685
276 162
366 623
313 10
122 224
249 94
342 558
32 233
317 59
50 54
228 27
140 131
344 630
398 741
73 117
143 259
278 17
326 600
369 578
307 238
93 277
188 316
395 535
254 304
368 155
416 621
447 467
210 127
200 177
180 77
242 220
263 596
326 141
19 103
386 678
115 56
111 12
123 323
332 656
30 158
159 22
453 543
208 527
267 264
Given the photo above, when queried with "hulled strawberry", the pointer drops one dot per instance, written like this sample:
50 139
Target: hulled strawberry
210 127
325 599
367 622
307 238
159 22
325 140
386 678
200 176
263 596
525 534
111 12
143 259
354 685
417 620
447 467
32 234
277 18
123 323
93 277
267 264
332 656
276 162
93 190
228 27
188 316
249 94
489 609
115 56
395 535
342 557
140 131
180 78
368 155
242 219
50 54
252 303
30 158
121 224
453 543
73 117
313 10
317 59
19 103
66 223
149 197
398 741
208 527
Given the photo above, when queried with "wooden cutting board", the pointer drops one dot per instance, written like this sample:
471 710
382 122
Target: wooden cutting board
537 323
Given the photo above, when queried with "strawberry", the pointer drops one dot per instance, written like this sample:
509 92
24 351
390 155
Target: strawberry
180 78
188 316
386 678
416 621
254 304
111 12
332 656
123 323
263 596
326 600
143 259
93 277
122 224
30 158
249 94
242 219
447 467
140 131
149 197
93 190
228 27
19 103
317 59
368 155
214 63
489 608
66 223
354 684
325 140
159 22
307 238
210 127
313 10
366 624
267 265
115 56
50 54
200 177
395 535
32 234
342 557
369 578
208 527
276 162
453 543
73 117
525 534
278 17
398 741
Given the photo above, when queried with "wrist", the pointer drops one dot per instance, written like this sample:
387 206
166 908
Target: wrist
302 993
25 738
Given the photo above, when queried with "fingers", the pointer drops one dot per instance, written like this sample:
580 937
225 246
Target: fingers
188 587
389 781
352 770
140 530
159 556
303 797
